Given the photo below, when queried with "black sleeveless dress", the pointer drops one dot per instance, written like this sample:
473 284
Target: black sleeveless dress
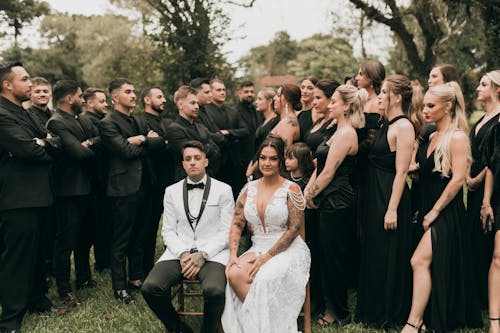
385 279
322 134
492 159
337 231
452 303
305 122
263 131
481 245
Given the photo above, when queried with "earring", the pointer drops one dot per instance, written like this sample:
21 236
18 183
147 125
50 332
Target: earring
345 113
286 109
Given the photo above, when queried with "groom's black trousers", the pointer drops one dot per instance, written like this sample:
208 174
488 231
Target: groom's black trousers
166 274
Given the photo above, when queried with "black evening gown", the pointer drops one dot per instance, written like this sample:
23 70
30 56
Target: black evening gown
452 303
492 160
337 230
305 122
263 131
481 245
314 139
385 279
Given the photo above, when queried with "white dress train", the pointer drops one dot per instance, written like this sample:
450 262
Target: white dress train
277 292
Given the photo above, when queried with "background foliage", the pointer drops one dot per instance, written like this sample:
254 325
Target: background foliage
169 42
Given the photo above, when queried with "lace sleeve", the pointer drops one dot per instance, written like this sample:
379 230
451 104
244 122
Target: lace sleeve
296 197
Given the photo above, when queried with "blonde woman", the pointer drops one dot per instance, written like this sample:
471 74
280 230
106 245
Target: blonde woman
264 104
443 160
490 208
479 135
330 189
384 289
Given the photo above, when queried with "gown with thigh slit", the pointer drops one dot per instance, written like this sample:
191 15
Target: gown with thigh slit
277 292
451 304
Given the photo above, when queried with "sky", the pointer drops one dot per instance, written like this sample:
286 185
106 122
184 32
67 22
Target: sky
250 27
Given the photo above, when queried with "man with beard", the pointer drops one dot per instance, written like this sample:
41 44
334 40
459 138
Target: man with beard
40 98
250 116
25 161
185 128
72 188
95 104
128 144
232 126
153 101
96 108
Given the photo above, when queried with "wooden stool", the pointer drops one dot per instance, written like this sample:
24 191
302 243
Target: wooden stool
181 295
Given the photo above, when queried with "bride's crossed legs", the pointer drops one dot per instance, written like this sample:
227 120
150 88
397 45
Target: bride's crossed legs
239 275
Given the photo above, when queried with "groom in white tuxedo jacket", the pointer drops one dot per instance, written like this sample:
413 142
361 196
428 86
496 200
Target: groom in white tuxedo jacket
197 216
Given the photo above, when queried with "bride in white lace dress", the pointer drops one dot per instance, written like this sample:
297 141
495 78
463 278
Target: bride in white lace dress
266 285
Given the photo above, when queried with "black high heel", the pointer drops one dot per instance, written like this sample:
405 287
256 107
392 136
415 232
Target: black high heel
419 328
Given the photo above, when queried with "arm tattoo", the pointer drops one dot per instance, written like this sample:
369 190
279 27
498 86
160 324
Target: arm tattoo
238 224
295 224
293 122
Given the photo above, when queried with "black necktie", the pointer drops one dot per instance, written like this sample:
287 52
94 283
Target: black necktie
199 185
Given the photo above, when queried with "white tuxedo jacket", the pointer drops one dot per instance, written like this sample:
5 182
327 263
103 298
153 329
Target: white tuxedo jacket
212 232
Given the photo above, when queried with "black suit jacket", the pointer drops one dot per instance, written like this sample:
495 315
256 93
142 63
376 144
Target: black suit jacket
162 160
72 170
24 165
224 117
42 115
126 161
252 120
99 172
179 132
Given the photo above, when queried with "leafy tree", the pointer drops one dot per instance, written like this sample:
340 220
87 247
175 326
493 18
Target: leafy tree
189 35
76 48
324 57
271 59
422 27
18 13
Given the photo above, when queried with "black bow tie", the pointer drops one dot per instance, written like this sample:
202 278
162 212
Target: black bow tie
199 185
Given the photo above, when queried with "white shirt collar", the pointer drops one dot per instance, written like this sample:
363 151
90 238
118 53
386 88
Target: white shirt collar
203 180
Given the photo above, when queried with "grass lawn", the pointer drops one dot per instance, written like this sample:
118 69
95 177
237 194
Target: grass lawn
100 313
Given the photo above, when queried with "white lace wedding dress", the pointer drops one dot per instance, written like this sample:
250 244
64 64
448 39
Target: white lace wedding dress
277 293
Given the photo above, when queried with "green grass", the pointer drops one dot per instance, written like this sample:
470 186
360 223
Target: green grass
100 313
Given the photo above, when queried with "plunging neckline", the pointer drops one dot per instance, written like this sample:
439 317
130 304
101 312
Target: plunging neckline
262 218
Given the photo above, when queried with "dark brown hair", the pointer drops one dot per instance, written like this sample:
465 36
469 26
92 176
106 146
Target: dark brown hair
304 157
292 94
278 144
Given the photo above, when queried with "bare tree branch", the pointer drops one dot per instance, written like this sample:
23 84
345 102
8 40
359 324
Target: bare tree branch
246 5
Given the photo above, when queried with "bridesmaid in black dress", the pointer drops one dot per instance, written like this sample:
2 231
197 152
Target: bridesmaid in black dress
490 210
481 244
330 189
264 104
324 127
307 116
490 217
384 290
443 162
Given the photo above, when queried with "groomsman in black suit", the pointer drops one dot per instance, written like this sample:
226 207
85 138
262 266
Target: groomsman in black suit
153 101
128 143
185 128
25 161
232 126
204 93
252 118
96 108
72 187
41 92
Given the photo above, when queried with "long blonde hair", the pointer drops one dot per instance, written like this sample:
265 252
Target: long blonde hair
356 98
494 77
449 93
